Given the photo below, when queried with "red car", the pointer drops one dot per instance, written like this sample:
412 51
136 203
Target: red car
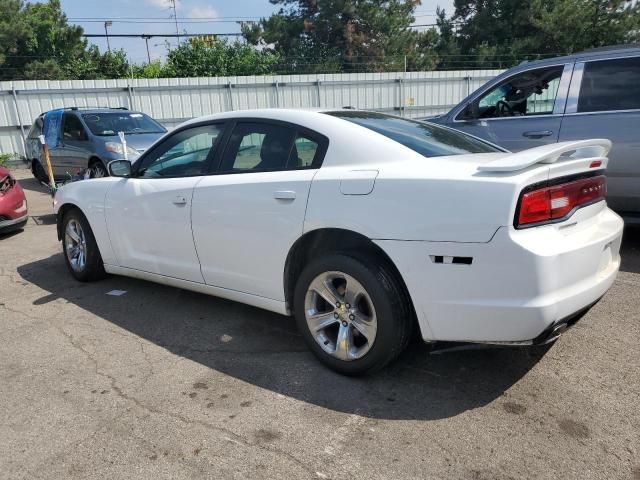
13 203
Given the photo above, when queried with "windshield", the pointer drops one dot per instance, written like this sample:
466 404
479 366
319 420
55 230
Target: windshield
110 123
425 138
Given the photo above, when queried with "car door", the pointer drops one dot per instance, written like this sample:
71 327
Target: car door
248 214
149 215
604 102
73 151
522 111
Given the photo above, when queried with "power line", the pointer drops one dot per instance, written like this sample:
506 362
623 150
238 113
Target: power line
163 35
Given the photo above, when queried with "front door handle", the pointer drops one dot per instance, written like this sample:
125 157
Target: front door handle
179 200
538 134
284 195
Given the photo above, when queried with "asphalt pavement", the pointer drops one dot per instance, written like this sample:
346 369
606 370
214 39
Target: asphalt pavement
164 383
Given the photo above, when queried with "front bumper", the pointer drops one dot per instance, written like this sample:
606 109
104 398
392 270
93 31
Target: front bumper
519 286
9 225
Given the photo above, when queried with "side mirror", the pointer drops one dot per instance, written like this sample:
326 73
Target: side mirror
119 168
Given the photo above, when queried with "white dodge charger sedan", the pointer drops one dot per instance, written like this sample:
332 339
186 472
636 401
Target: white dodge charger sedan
364 226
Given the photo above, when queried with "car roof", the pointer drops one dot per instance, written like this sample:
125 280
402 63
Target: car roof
616 51
94 110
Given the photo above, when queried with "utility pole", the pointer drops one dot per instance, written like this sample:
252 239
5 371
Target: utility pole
146 39
175 18
108 23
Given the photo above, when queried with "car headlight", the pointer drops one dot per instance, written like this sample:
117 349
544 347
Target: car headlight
115 147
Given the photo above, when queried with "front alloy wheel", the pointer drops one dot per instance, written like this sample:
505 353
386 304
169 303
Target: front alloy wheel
97 170
80 248
75 245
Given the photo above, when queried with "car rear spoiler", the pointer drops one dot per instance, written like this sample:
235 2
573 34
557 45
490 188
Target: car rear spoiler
595 149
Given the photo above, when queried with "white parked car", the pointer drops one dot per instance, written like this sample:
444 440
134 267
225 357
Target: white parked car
360 224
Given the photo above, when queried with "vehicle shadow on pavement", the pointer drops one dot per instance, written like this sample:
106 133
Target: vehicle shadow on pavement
33 185
630 250
265 349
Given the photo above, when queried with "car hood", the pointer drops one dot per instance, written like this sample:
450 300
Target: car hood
142 141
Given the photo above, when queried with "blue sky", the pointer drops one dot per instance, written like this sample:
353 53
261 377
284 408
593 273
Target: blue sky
200 16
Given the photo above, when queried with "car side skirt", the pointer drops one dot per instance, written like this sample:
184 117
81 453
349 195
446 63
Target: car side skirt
276 306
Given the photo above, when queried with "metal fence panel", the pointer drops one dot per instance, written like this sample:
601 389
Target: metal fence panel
173 100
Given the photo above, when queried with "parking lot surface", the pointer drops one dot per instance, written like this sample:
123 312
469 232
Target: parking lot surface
165 383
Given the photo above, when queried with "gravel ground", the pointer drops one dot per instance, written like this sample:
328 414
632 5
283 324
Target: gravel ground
164 383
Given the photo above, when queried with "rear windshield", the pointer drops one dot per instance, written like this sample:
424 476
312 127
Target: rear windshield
425 138
110 123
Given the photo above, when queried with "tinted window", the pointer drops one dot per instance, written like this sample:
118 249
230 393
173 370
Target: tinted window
72 128
425 138
260 146
184 154
110 123
610 85
529 93
304 152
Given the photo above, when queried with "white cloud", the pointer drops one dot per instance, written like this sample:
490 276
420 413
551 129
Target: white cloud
164 4
205 11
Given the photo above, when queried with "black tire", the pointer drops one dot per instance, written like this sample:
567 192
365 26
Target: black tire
38 172
391 303
97 169
93 268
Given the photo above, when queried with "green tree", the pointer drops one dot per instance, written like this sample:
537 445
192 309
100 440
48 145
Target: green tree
95 65
37 42
500 33
575 25
210 57
344 35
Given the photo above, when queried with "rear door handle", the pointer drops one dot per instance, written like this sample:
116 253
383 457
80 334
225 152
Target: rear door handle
284 195
179 200
538 134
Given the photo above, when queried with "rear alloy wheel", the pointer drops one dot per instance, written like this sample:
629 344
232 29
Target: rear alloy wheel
352 313
80 248
340 315
97 170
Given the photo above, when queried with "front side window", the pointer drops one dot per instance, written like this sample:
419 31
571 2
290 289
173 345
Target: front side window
529 93
425 138
187 153
261 147
610 85
72 128
108 124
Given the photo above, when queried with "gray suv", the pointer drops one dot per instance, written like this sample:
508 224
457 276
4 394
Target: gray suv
594 94
88 138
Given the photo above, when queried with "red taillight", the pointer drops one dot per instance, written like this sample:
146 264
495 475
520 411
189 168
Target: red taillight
552 203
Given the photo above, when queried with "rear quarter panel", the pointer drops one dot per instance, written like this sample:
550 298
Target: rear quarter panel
420 200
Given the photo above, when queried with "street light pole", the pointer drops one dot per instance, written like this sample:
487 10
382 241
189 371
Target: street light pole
146 39
108 23
175 18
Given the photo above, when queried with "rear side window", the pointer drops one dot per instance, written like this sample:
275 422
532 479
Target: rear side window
610 85
269 147
425 138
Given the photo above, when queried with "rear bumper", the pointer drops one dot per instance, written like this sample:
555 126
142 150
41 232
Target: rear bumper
519 286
